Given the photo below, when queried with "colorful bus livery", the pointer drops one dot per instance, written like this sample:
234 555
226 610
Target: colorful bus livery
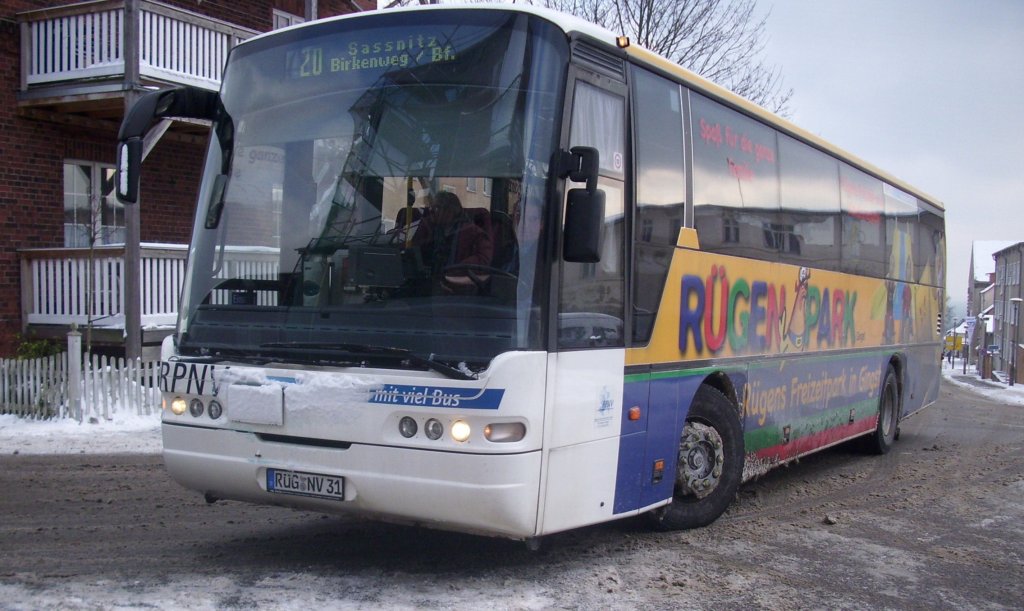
743 307
496 270
755 317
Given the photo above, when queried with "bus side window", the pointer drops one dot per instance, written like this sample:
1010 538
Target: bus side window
591 296
660 192
863 206
736 183
810 205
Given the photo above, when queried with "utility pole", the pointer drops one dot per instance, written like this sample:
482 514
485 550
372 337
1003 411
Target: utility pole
133 230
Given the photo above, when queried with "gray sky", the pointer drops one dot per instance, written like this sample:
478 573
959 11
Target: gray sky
932 91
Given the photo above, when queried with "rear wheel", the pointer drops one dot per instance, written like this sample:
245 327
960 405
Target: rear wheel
709 465
888 414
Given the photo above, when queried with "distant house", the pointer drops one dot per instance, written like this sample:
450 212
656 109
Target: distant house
982 272
980 289
68 72
1009 265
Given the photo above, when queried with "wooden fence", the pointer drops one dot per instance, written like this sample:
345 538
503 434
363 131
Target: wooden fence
61 286
40 388
87 40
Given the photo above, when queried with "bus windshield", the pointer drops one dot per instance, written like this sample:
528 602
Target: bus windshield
374 195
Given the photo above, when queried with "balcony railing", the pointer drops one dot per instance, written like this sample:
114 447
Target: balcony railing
55 282
85 41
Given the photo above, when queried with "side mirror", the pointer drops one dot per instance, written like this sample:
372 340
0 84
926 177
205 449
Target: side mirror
584 226
584 212
183 102
129 167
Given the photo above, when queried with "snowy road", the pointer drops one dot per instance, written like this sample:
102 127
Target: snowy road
937 523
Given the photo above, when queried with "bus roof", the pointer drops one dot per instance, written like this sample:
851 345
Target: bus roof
571 24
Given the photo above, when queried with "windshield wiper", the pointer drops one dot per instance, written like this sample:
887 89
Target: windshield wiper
216 355
379 351
249 357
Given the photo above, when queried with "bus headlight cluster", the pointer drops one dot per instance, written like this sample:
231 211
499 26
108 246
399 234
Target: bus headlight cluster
461 431
195 407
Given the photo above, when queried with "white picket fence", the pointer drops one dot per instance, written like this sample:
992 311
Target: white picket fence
39 388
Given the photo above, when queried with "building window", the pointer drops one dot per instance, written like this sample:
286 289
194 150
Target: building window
92 214
283 19
646 230
781 237
731 228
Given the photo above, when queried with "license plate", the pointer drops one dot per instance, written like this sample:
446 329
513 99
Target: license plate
306 484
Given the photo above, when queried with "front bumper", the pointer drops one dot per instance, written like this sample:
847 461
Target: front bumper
478 493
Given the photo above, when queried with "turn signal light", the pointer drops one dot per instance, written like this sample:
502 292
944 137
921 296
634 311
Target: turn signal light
505 432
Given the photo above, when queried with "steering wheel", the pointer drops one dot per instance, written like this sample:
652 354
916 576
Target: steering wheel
470 268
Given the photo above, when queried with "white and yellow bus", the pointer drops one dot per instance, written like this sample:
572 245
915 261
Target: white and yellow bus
499 271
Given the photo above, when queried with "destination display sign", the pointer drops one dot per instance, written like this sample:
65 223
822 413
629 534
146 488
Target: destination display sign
381 53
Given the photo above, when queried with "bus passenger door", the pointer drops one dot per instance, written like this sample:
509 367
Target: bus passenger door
584 421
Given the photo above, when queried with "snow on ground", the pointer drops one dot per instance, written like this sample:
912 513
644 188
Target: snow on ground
1011 395
132 434
122 434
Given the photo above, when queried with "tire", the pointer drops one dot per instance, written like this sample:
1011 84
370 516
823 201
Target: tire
885 433
709 465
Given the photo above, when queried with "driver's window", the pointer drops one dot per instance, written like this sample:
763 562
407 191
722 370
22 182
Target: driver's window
591 309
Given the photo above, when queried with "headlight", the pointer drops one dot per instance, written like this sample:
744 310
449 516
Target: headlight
434 429
215 409
407 427
460 431
195 408
178 406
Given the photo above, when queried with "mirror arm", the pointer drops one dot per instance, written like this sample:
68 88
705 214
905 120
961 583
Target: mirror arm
580 164
185 102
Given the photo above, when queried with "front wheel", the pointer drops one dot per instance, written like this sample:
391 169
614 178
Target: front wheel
709 466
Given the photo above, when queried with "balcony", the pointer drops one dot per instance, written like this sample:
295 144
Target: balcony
87 55
61 286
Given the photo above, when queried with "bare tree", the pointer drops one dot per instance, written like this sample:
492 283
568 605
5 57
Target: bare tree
721 40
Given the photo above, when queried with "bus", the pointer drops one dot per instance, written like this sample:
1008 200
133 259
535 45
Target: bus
496 270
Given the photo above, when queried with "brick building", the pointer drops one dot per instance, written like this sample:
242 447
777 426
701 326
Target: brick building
67 72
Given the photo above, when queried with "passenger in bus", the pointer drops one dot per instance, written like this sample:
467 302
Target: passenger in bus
451 242
407 221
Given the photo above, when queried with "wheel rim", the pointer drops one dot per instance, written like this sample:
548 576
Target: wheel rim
888 410
700 461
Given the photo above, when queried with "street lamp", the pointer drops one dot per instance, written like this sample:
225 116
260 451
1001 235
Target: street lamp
1016 326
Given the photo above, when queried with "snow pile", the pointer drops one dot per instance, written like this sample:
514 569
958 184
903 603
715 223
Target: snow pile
121 434
1010 395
